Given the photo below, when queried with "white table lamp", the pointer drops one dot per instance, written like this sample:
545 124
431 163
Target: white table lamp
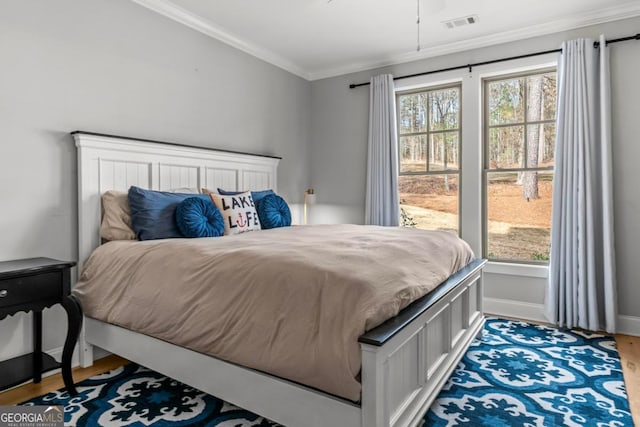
309 199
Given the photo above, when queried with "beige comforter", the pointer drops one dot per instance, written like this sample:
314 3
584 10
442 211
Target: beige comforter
291 301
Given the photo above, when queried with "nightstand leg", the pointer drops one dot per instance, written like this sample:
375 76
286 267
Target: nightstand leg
74 316
37 346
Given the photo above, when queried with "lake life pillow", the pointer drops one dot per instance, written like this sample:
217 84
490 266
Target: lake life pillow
256 195
238 211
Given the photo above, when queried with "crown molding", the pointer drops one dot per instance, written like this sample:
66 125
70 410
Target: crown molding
196 22
615 13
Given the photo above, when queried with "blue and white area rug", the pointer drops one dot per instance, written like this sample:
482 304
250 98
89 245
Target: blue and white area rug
530 375
136 396
518 375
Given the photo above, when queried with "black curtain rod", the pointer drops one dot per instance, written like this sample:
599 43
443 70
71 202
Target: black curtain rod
511 58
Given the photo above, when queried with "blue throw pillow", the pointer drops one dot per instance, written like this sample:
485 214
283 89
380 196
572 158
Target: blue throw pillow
153 213
255 195
196 217
273 212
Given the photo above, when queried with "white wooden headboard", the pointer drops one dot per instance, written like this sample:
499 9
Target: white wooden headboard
107 162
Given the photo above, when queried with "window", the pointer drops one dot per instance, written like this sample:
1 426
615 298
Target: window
429 143
519 138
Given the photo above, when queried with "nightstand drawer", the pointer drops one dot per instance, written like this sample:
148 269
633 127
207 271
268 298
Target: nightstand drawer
26 289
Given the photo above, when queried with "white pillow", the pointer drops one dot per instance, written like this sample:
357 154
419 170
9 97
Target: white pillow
239 212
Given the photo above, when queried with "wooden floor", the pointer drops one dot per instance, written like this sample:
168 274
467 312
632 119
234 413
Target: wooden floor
629 348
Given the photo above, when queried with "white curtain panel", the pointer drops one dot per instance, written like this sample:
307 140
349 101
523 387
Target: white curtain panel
382 204
582 283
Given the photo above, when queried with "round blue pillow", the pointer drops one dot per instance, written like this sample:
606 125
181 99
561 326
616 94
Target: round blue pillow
273 212
197 217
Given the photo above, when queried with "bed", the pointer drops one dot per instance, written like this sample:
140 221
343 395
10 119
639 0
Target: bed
404 361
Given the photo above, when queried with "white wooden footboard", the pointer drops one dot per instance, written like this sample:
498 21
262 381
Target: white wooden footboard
405 369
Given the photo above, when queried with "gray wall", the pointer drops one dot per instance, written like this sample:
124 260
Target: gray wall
112 66
339 147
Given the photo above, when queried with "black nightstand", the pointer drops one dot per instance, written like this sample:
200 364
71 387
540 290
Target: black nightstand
33 285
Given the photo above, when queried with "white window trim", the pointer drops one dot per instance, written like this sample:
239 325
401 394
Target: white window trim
517 269
472 149
457 84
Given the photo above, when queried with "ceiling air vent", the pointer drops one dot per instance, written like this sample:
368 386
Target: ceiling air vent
460 22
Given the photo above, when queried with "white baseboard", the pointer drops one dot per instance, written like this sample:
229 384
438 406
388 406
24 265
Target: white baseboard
517 309
98 353
56 353
628 325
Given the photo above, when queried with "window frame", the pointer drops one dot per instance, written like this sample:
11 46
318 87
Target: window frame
432 88
486 169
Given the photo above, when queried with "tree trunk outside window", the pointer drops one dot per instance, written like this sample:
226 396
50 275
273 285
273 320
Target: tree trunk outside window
534 134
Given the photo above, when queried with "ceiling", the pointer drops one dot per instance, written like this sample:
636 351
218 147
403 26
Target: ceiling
323 38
